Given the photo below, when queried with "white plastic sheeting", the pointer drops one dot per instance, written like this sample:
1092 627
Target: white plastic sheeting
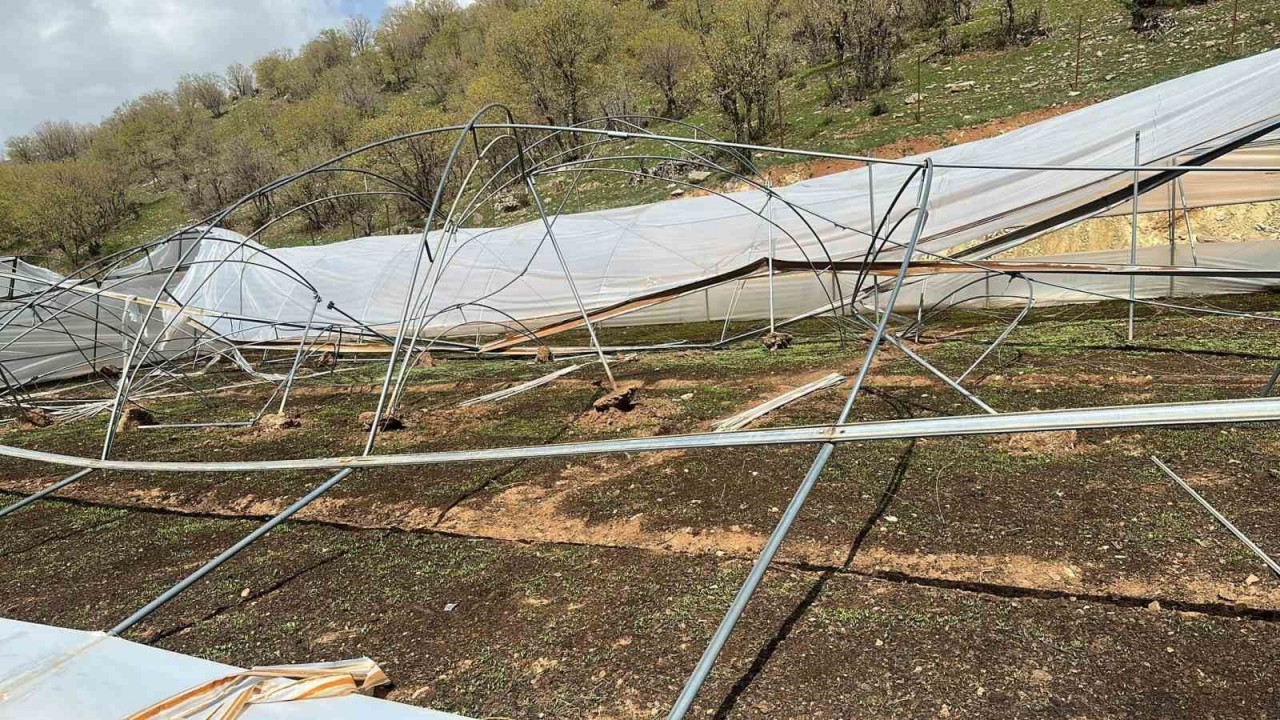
53 673
622 253
493 275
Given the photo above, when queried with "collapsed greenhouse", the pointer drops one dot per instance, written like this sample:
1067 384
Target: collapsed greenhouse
876 253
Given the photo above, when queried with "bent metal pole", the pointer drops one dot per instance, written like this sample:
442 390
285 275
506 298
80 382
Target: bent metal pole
1216 412
762 562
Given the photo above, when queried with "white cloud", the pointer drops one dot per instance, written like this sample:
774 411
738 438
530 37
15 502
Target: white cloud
79 59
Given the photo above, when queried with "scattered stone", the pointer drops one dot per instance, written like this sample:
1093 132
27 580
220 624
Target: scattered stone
510 202
425 360
388 423
956 87
677 192
671 169
280 421
133 418
34 418
777 341
544 355
622 400
698 176
913 98
244 593
1154 606
1252 580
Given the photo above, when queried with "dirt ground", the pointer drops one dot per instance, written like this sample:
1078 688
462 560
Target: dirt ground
1056 575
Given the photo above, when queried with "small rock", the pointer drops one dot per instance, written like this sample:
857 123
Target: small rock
698 176
425 360
912 99
509 202
1040 676
777 341
956 87
109 371
677 192
1252 580
544 355
244 593
388 423
622 399
1154 606
133 418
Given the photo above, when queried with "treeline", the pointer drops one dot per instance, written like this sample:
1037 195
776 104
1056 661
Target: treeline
214 138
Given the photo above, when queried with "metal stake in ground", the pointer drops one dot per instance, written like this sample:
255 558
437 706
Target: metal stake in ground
568 278
1133 238
779 534
1219 517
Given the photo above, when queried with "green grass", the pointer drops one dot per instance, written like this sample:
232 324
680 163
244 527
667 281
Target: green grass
157 215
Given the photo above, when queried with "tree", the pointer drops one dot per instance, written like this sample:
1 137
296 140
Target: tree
855 40
403 34
240 81
415 162
51 141
665 56
359 31
274 72
556 52
204 91
66 207
742 47
137 135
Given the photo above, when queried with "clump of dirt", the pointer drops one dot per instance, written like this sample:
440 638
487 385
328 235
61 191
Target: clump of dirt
388 423
652 416
1037 443
622 399
280 421
544 355
33 419
133 418
777 341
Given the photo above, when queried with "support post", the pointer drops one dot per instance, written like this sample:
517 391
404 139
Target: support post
297 359
568 278
761 565
226 555
1133 236
1222 520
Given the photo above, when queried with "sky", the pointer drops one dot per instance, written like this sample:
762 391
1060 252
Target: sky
78 59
